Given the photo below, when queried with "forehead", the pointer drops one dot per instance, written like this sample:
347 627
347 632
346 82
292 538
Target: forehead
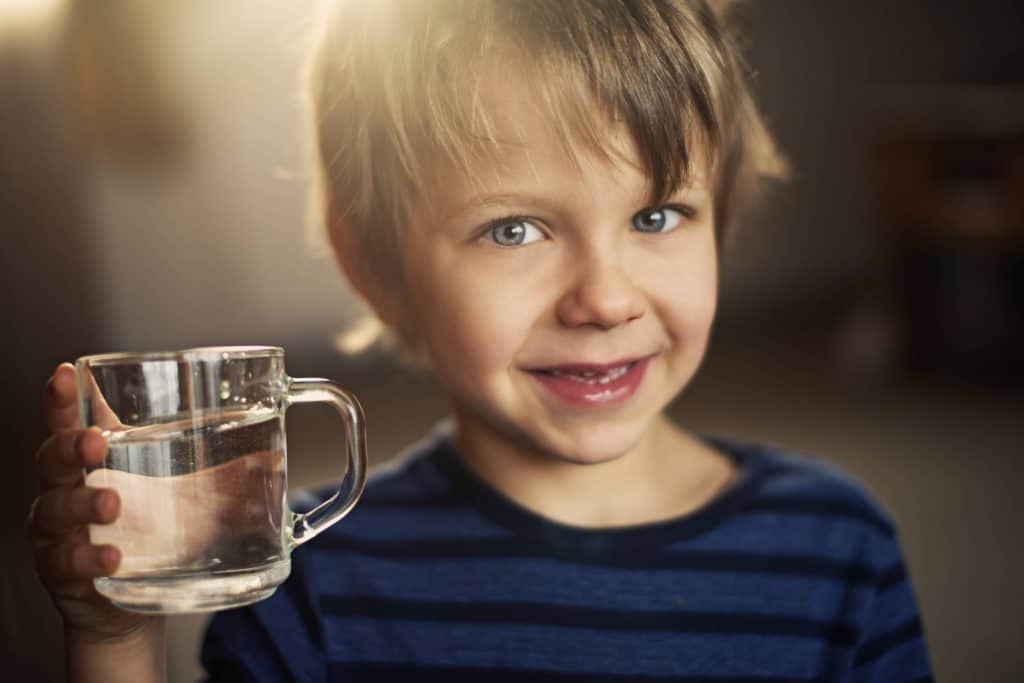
527 144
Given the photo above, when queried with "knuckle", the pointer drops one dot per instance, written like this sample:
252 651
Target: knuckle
75 508
58 512
74 559
44 450
57 448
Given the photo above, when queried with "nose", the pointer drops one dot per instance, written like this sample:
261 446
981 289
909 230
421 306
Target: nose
602 295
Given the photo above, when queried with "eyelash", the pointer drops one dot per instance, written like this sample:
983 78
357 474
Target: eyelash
687 212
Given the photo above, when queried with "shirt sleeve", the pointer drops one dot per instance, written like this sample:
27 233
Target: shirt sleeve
892 646
277 639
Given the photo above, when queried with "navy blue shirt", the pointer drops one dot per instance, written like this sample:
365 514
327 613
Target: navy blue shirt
791 573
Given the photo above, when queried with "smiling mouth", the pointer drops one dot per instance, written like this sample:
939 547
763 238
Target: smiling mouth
600 376
593 384
590 373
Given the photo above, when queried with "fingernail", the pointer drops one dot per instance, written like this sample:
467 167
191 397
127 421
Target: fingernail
62 368
97 432
99 503
107 558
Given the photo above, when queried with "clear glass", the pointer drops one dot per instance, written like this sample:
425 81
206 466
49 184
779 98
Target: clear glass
198 456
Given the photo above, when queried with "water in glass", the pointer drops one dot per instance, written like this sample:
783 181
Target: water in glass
202 501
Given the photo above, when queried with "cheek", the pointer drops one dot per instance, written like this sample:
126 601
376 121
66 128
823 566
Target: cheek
473 323
685 293
701 301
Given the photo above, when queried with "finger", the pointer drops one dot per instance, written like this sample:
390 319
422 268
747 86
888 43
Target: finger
62 457
59 399
61 510
69 561
101 415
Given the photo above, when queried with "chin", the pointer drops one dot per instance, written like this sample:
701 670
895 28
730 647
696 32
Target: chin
594 446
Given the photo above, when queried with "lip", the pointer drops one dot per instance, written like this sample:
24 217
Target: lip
586 367
578 393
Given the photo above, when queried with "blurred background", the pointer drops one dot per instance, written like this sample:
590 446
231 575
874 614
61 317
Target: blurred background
152 195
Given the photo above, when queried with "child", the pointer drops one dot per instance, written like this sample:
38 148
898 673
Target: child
532 196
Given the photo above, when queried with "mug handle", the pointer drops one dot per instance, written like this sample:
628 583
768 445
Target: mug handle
316 390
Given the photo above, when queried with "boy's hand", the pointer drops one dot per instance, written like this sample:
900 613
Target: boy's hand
58 522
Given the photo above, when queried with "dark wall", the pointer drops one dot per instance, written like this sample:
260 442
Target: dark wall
51 313
824 71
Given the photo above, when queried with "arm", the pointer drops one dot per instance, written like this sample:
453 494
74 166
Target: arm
102 642
892 646
138 657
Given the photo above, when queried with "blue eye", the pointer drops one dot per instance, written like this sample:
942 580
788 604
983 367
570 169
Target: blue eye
658 220
515 233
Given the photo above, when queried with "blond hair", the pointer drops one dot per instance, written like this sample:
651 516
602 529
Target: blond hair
395 86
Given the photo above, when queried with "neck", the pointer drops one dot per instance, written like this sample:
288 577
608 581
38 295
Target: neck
666 474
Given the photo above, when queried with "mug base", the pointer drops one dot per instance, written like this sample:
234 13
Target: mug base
184 593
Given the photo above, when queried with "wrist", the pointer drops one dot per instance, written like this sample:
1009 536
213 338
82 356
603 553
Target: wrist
137 655
146 628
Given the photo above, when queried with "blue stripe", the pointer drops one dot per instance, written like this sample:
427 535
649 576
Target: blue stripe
624 621
542 647
511 547
545 581
352 672
837 539
823 508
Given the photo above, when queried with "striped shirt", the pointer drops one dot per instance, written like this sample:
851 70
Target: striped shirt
793 573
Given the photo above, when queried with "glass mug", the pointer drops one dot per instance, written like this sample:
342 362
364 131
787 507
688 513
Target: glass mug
197 455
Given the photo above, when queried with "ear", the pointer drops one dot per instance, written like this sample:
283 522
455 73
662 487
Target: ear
375 289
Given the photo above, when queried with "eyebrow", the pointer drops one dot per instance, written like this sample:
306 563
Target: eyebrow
492 199
500 198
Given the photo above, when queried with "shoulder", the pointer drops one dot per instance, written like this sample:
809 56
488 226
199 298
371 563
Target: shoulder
803 482
801 502
817 505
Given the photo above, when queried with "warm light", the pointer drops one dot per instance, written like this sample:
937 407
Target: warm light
27 6
19 11
359 337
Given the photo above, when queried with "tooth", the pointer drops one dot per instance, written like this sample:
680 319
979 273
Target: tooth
594 376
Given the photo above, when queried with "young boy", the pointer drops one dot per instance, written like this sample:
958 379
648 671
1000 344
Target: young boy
532 196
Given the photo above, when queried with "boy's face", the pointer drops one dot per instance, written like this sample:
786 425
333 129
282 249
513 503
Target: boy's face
553 265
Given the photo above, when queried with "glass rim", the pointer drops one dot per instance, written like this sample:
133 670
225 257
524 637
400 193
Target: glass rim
198 353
